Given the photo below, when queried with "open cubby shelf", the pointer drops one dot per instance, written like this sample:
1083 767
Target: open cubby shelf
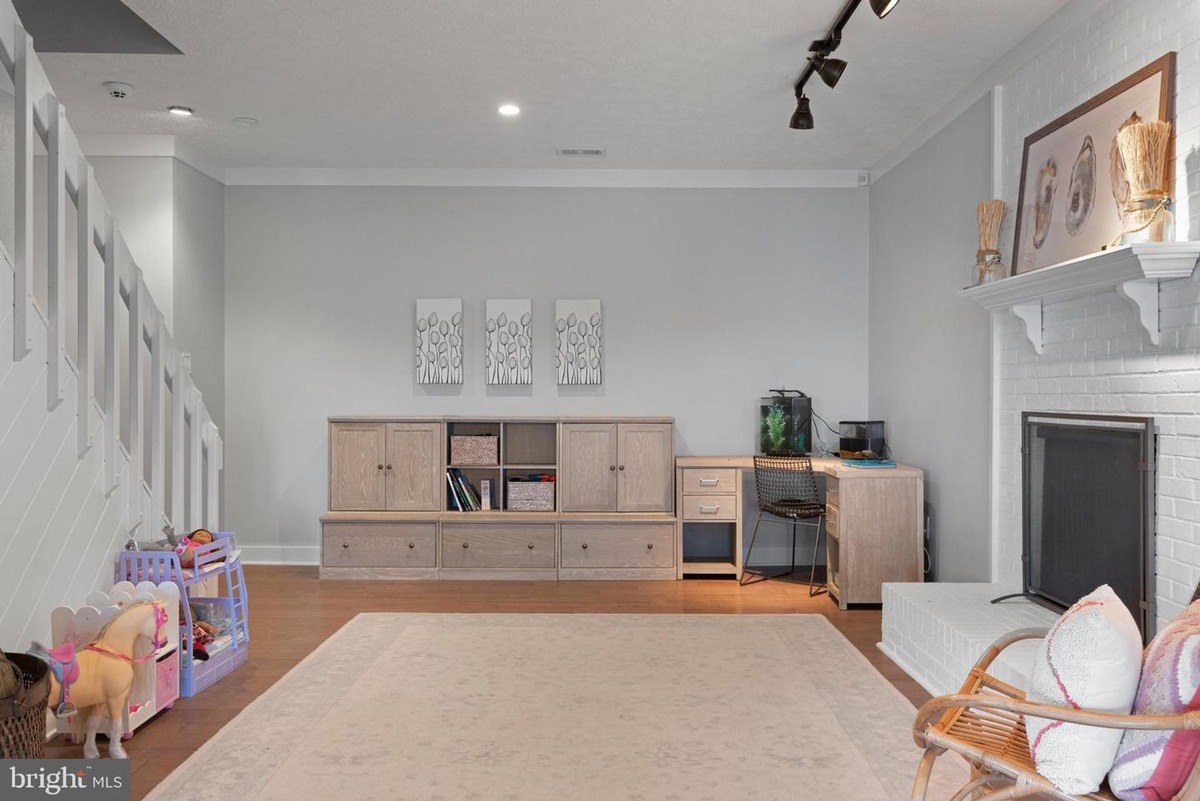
525 447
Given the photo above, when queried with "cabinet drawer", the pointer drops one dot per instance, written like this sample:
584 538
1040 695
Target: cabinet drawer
709 507
511 545
831 522
698 481
379 545
618 545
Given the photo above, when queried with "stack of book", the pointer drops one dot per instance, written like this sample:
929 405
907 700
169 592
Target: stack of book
463 495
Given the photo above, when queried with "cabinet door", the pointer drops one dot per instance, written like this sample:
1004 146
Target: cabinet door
645 469
588 473
356 467
414 467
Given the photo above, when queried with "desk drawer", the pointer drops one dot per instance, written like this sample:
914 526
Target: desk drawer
379 545
709 507
831 522
618 545
698 481
511 545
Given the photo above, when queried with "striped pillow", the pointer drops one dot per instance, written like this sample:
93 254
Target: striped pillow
1153 765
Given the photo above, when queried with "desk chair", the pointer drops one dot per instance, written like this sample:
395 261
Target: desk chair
787 489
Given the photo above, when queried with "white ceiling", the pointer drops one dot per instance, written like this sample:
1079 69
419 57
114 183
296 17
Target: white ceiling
665 84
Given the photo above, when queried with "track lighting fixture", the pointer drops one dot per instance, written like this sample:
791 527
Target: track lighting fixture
883 7
802 118
829 69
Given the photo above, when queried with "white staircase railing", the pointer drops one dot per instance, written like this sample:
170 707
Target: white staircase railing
191 436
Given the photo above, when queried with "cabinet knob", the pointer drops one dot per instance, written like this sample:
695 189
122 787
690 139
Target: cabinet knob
585 546
612 467
531 546
345 545
650 546
389 467
412 545
379 466
622 467
464 545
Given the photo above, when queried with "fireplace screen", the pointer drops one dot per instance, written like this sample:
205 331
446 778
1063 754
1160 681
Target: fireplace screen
1088 517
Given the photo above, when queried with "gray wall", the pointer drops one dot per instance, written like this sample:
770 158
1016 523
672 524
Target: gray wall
710 298
930 351
199 281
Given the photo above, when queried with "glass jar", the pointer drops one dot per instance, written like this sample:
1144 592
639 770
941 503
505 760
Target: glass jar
988 267
1148 220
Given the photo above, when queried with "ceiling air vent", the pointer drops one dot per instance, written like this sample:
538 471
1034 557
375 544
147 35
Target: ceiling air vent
580 151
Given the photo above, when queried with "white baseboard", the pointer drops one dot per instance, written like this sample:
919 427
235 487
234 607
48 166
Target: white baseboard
281 554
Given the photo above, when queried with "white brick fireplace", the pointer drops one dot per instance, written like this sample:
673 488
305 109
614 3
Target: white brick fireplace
1097 355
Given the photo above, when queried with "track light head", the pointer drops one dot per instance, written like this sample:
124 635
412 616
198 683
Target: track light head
883 7
830 69
802 118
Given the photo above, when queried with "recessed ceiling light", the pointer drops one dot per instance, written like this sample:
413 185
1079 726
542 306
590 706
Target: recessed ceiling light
509 110
246 120
180 111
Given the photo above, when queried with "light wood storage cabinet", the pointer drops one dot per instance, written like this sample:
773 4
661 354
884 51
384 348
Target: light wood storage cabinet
385 466
618 467
395 500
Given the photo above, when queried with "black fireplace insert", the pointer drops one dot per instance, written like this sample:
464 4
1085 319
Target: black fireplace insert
1088 490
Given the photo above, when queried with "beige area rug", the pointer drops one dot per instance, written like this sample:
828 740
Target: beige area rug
570 708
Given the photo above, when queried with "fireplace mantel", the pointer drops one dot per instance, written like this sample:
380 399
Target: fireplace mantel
1134 271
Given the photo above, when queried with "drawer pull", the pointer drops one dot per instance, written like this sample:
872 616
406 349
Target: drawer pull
622 467
531 546
389 467
345 545
709 482
612 467
650 546
585 546
464 545
412 545
379 466
710 510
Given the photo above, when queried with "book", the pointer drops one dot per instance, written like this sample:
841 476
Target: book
453 494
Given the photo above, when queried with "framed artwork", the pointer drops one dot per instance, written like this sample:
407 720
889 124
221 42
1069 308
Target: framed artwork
438 341
508 341
1073 187
578 342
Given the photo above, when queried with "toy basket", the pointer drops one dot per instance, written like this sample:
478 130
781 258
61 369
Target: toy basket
531 496
23 717
475 450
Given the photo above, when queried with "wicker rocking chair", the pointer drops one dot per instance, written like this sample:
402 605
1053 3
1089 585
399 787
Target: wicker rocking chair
985 724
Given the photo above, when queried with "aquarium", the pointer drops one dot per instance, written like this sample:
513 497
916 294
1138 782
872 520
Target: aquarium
785 422
862 439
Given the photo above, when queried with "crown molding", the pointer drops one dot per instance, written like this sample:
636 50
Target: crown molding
1071 14
549 178
152 145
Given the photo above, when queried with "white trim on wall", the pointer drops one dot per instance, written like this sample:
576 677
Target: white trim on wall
549 178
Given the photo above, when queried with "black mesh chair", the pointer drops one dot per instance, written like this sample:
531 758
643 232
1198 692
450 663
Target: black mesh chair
787 489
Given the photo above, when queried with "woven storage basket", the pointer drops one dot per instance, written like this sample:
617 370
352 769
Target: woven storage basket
531 496
477 450
23 719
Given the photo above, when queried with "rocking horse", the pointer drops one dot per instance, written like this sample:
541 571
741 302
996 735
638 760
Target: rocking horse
98 680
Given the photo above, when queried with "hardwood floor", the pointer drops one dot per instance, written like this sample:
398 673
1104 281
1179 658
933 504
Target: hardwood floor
291 613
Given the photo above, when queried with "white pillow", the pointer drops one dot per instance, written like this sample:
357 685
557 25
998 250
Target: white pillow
1092 660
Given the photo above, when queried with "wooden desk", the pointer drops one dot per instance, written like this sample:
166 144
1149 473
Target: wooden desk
874 519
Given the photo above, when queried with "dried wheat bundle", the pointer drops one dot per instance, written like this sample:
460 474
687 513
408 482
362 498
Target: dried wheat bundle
1143 147
990 214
